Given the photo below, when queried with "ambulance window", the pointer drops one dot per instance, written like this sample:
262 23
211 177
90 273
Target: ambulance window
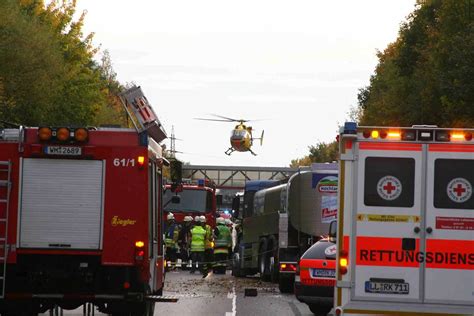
453 185
389 182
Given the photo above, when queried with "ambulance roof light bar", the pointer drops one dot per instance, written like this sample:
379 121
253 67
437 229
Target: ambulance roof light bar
423 133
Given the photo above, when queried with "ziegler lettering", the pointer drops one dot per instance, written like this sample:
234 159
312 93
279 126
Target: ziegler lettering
117 221
449 258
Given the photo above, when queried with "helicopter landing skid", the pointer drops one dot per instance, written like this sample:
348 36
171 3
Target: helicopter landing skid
252 152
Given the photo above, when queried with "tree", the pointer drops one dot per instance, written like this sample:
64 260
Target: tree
425 76
322 152
47 69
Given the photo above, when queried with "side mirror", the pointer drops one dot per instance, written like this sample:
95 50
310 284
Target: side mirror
333 230
176 171
236 206
219 200
175 199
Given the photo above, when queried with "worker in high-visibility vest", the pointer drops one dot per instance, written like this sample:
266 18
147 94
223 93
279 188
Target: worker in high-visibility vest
198 237
184 239
171 240
223 241
209 245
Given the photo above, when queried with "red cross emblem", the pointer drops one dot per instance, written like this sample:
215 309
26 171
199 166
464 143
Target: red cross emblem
389 188
459 190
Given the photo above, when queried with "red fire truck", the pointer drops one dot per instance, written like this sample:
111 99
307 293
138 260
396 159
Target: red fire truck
405 229
195 199
80 220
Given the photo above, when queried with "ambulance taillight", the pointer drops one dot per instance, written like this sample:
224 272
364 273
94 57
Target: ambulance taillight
343 262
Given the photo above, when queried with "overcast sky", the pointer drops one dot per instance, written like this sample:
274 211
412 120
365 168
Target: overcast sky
296 64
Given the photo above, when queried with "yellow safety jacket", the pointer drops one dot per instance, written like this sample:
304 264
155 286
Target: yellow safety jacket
171 236
223 240
208 237
198 235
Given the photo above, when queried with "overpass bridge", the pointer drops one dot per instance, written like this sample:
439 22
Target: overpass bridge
227 177
231 179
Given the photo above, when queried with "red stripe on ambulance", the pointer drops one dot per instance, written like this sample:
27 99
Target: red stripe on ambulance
389 146
450 254
451 148
384 251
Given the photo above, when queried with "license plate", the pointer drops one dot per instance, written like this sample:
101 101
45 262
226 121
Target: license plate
323 273
63 150
387 287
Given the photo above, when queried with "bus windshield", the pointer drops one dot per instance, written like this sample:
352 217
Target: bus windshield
191 201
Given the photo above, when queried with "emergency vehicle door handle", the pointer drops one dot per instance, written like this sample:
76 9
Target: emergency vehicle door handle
416 229
429 230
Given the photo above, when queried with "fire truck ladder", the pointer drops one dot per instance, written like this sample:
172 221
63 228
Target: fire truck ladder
5 182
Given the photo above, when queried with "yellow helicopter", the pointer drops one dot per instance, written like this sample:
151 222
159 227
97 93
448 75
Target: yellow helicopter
241 138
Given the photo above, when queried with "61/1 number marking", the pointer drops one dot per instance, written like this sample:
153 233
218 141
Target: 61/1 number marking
124 162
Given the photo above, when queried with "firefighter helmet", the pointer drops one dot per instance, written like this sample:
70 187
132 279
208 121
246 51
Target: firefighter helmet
220 220
188 218
170 216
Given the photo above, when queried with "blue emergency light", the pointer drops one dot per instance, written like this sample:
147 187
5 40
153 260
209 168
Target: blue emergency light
350 128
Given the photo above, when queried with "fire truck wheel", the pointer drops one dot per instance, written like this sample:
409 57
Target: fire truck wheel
263 260
319 310
145 308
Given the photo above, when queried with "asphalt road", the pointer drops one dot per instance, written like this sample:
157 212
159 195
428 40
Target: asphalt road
222 295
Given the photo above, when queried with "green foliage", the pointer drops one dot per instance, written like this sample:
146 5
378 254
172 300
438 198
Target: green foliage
47 72
425 76
322 152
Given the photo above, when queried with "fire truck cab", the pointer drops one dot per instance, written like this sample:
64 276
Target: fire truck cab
196 199
405 230
80 220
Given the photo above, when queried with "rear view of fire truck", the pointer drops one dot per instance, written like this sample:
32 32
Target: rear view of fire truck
406 221
80 219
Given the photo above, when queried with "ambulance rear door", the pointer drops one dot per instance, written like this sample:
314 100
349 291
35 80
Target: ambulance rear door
449 230
387 217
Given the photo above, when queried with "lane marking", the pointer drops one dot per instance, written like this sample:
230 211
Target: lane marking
231 295
294 309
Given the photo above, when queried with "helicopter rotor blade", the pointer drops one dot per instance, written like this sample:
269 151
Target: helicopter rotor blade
213 120
228 118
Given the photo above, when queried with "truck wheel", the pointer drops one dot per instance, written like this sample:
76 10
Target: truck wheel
273 260
263 261
237 271
285 284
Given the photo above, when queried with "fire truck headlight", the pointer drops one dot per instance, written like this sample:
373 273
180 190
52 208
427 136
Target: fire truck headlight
45 133
374 134
81 134
62 134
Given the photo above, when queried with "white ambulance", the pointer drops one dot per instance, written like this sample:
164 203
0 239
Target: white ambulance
405 229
